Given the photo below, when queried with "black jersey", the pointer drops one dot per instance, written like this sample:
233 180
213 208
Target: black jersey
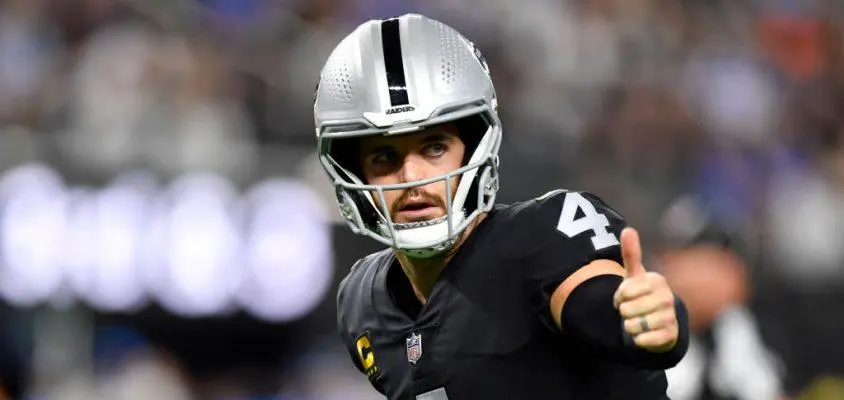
486 331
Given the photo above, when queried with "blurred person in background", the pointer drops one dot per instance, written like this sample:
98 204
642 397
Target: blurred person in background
28 56
804 227
546 298
144 98
727 357
126 366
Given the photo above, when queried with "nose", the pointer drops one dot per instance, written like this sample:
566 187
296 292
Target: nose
412 169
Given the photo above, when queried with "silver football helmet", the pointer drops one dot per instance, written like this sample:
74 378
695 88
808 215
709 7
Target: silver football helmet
397 76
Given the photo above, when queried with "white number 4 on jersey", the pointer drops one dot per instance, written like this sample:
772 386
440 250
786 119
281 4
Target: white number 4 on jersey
591 220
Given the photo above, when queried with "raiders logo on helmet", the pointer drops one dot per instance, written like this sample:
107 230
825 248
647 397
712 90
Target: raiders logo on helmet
400 109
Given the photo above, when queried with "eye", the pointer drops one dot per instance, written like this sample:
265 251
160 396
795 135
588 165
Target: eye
384 158
435 150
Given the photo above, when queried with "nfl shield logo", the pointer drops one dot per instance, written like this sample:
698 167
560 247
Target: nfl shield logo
414 348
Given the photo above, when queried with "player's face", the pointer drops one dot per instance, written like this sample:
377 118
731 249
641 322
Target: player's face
412 157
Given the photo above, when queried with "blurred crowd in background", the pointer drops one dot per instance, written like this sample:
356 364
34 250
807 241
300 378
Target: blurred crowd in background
715 127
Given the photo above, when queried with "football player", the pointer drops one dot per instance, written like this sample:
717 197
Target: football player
544 299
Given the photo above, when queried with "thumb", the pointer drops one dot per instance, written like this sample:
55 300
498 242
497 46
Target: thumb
631 252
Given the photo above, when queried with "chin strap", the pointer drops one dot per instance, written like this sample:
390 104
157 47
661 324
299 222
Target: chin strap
422 237
429 252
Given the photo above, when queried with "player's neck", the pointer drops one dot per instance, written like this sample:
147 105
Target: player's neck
423 273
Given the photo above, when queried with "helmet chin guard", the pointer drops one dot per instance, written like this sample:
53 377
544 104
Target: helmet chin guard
400 76
421 232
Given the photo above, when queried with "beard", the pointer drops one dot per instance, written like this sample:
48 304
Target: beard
417 195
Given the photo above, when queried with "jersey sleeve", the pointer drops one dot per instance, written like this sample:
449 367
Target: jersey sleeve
567 231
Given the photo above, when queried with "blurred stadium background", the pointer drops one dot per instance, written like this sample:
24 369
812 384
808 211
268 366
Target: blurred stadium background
166 233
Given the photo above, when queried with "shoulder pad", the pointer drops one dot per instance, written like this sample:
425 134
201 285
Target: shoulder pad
359 270
551 194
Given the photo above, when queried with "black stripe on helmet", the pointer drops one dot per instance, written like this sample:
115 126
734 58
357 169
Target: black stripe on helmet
396 81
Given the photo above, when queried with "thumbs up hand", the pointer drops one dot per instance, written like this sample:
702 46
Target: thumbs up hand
645 300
